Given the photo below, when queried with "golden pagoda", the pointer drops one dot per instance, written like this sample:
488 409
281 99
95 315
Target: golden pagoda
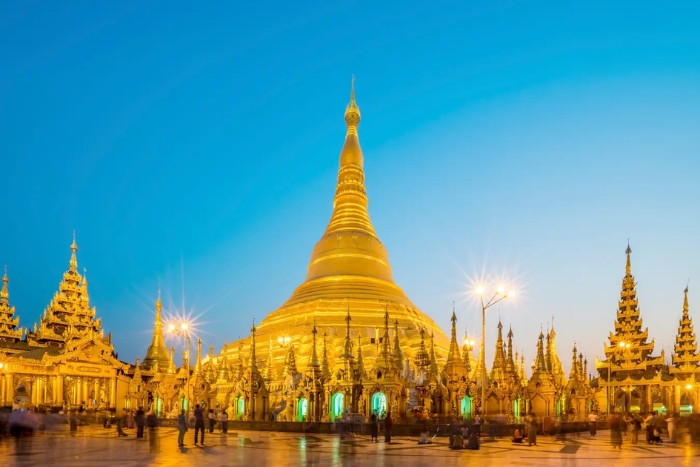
9 323
685 358
68 315
349 271
157 353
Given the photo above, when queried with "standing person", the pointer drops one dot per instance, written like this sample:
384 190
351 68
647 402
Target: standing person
532 429
650 422
671 428
477 424
140 420
592 423
198 424
388 425
212 420
224 422
73 421
374 428
181 429
130 420
615 431
636 427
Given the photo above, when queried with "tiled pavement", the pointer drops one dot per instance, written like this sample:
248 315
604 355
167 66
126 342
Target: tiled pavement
96 446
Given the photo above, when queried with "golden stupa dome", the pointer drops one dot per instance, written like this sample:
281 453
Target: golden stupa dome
349 271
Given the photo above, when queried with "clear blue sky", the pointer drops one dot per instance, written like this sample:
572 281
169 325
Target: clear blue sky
522 139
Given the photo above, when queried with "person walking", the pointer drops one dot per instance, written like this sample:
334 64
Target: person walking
140 420
636 427
592 423
615 431
181 429
198 424
650 423
532 429
373 428
671 428
224 422
212 420
388 425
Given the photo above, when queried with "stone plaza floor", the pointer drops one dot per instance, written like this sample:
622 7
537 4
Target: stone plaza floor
97 446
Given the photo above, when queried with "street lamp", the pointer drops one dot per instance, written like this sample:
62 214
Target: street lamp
183 331
622 345
498 296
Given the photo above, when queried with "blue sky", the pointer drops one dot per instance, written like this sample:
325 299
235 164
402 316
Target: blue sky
199 145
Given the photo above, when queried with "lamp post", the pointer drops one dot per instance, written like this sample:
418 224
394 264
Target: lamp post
611 393
183 331
498 296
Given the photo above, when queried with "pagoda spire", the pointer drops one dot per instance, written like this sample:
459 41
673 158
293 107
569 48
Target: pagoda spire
171 366
325 366
557 368
433 360
398 354
466 356
523 375
386 346
73 264
453 355
585 369
314 356
540 364
198 363
510 364
685 358
9 330
636 359
360 359
574 372
253 361
268 373
157 351
498 371
422 356
347 355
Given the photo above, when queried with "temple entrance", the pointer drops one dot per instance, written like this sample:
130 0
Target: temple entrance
240 408
516 409
465 407
302 409
379 404
337 406
686 403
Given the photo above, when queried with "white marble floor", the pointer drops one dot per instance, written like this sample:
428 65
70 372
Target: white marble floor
96 446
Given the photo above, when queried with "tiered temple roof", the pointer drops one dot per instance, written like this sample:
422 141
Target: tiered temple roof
9 323
629 353
68 315
498 370
685 358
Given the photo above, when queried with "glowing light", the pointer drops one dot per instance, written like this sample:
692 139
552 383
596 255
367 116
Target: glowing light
622 344
500 289
184 326
171 327
1 365
479 290
689 386
511 293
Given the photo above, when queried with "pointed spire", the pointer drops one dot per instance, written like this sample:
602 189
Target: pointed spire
9 324
198 363
685 358
325 366
398 354
540 364
253 361
386 349
453 354
585 369
352 112
157 351
466 355
498 370
268 373
4 294
290 364
433 360
574 373
628 252
73 257
422 356
510 364
314 356
347 355
360 359
171 365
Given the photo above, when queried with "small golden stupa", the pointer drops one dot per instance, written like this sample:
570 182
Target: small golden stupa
348 274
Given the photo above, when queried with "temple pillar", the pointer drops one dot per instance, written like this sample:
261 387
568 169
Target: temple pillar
647 399
113 392
60 397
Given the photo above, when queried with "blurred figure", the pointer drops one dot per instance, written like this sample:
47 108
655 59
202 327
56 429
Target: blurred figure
424 436
616 431
517 436
532 429
73 421
151 420
593 423
672 420
456 440
388 425
181 429
224 422
374 428
212 420
140 420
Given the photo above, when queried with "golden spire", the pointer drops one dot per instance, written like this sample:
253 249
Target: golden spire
360 359
386 348
398 354
628 267
453 355
73 256
314 355
157 351
4 294
325 367
348 341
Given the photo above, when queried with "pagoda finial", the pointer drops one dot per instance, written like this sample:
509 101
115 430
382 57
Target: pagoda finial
348 340
253 364
685 302
73 256
352 112
314 355
4 294
628 251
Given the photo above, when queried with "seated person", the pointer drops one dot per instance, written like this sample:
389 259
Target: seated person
656 438
456 441
473 442
425 436
517 436
465 431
